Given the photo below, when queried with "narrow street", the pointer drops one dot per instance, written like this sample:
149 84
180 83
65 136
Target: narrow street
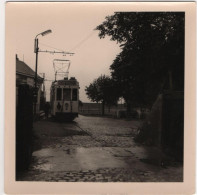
96 149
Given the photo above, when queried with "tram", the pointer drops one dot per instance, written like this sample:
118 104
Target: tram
65 99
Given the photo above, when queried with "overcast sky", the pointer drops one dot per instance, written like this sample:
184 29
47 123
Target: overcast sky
72 26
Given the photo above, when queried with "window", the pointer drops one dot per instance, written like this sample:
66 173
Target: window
59 94
74 95
67 94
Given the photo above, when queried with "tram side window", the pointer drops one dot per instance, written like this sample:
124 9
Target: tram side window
67 94
74 95
59 94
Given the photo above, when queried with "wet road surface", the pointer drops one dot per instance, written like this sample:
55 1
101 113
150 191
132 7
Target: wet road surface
96 149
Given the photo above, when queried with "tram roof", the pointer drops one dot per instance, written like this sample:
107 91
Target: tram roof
71 82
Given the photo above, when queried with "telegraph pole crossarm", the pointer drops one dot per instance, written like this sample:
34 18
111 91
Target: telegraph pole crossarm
53 52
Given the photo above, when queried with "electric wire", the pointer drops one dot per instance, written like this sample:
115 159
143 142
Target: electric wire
50 46
76 46
82 41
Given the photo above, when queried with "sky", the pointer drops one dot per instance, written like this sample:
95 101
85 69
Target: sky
72 26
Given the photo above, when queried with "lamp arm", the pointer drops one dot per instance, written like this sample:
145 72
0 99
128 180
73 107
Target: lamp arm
37 35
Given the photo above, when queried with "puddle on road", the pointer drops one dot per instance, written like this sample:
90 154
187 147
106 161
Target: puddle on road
95 158
44 167
81 158
70 159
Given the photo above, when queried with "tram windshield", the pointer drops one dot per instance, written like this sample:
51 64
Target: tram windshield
67 94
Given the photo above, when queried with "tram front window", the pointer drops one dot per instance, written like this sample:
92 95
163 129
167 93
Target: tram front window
59 94
74 95
67 94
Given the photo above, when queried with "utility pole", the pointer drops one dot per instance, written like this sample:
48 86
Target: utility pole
36 50
35 77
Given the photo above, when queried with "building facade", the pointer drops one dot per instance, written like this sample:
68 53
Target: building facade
25 75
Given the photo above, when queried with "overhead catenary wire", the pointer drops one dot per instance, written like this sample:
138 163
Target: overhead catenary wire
73 48
83 40
76 46
51 46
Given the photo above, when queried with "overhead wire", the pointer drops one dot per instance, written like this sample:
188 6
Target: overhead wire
50 46
82 41
73 48
76 46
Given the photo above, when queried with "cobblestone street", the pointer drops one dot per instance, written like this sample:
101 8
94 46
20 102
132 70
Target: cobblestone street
96 149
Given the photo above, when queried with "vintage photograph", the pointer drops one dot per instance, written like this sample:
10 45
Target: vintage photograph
99 93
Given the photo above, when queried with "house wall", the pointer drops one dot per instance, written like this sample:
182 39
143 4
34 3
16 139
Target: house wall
22 79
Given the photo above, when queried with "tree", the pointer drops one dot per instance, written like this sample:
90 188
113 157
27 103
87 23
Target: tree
152 56
102 90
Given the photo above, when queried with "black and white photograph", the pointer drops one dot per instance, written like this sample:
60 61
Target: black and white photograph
99 92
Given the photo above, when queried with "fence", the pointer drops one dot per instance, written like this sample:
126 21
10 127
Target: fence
96 109
118 111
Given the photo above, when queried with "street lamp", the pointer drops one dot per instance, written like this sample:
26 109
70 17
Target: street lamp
36 50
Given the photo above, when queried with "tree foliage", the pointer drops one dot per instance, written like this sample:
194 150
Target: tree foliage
102 90
152 56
